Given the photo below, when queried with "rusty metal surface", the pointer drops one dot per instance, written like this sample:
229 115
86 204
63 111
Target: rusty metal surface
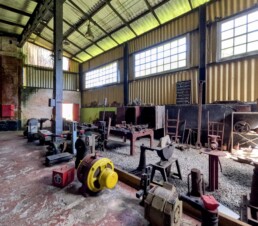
29 198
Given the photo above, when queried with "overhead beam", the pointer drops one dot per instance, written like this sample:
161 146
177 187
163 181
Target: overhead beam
131 21
88 17
121 18
11 23
38 1
152 11
44 22
15 10
47 40
190 3
4 33
76 29
36 17
70 42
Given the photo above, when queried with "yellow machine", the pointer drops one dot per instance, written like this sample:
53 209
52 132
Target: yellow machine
96 173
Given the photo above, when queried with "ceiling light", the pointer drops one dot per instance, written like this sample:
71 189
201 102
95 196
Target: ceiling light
89 35
66 42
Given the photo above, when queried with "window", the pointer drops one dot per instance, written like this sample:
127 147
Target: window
102 76
39 56
238 36
170 56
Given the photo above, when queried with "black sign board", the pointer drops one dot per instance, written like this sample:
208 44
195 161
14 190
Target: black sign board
183 92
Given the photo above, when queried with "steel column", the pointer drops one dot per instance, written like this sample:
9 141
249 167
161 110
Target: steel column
202 50
58 66
126 71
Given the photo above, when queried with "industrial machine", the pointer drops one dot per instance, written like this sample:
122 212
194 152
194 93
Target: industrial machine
96 173
207 205
162 206
63 149
164 166
83 144
249 205
32 128
144 185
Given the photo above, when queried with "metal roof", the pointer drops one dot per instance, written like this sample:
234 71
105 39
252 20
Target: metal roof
112 22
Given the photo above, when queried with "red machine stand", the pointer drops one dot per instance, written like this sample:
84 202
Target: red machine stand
63 176
214 168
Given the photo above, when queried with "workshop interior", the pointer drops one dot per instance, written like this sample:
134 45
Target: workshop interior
141 112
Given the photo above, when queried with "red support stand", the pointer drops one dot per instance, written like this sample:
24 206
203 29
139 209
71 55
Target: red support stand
214 168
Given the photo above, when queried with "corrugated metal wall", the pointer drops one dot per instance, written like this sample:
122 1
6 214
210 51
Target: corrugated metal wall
43 78
38 56
110 56
112 93
236 80
161 90
231 80
73 66
225 8
166 32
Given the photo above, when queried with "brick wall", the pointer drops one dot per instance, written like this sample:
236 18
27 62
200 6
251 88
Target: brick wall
35 103
10 73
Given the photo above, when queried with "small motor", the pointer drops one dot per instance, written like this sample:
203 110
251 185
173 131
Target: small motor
162 206
96 173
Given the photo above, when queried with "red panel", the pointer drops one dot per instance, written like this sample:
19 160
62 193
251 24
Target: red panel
209 202
8 110
76 113
63 176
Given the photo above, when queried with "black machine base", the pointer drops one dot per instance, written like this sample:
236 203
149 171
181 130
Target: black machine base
58 158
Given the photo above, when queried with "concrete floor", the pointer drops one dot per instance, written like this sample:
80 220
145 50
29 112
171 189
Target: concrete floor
28 197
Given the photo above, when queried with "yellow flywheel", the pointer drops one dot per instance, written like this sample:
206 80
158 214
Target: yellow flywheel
97 173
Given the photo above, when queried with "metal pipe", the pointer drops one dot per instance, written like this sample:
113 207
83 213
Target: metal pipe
126 70
58 66
202 49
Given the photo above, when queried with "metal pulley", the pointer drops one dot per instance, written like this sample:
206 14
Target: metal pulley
242 127
97 173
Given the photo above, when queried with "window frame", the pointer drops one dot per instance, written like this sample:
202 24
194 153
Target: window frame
187 43
219 37
98 68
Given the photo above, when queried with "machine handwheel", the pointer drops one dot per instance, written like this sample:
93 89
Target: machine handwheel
242 127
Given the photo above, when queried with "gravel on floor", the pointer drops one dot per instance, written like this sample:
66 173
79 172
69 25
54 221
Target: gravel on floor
234 180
